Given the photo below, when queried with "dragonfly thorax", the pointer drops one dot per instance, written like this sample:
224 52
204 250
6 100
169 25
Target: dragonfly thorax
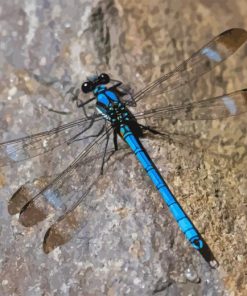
109 105
118 114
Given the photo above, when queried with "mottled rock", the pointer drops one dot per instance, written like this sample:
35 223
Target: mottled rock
128 243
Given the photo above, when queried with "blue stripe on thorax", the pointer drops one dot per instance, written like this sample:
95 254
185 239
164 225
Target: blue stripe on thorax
107 97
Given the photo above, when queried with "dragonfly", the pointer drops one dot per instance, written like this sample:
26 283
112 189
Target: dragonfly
58 197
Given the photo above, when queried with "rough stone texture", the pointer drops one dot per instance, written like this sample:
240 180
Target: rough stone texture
132 246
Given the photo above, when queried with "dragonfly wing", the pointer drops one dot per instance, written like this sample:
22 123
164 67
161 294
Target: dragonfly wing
31 146
31 188
75 218
227 105
60 194
68 187
201 62
26 192
191 126
68 224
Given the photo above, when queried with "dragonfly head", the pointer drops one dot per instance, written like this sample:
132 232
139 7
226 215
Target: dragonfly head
95 83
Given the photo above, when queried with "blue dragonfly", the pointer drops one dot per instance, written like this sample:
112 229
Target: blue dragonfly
57 197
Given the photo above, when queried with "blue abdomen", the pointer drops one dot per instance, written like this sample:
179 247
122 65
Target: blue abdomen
182 219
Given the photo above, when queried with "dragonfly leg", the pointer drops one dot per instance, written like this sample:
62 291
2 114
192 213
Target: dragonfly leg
104 155
115 140
75 139
82 105
79 103
75 98
74 92
56 111
71 140
112 153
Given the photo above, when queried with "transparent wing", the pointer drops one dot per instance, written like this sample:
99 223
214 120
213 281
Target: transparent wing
68 187
227 105
191 126
30 146
73 210
27 191
201 62
76 217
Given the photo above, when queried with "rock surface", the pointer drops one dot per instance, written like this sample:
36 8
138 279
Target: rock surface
130 244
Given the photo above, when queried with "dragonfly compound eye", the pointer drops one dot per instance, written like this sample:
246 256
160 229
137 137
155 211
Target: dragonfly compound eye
104 78
87 87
